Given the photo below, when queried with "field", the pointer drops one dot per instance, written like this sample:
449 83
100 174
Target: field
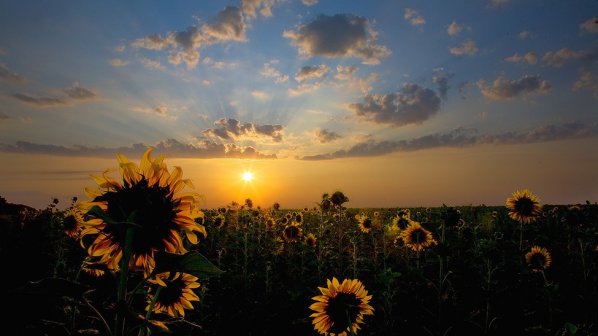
259 269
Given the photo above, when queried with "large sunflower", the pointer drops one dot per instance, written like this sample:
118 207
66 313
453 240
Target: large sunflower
538 258
341 307
524 206
365 223
176 293
291 233
416 237
150 198
71 222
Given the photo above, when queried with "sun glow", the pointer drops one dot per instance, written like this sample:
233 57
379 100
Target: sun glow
247 176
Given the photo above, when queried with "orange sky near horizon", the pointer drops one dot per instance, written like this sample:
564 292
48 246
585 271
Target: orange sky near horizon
562 172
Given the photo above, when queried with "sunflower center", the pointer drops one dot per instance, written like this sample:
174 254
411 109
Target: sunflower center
342 310
69 223
153 209
417 236
367 223
292 232
524 206
172 293
537 261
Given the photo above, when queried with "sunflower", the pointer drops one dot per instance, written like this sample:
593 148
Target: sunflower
365 223
298 218
222 210
416 237
311 240
538 258
524 206
151 199
292 233
341 307
219 221
176 293
71 222
93 268
270 223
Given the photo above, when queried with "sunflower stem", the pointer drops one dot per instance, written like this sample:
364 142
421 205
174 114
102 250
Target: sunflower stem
121 293
520 235
350 323
150 310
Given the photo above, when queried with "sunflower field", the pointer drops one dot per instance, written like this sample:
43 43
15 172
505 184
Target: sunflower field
141 257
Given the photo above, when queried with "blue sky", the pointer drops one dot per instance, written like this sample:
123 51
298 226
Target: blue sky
312 80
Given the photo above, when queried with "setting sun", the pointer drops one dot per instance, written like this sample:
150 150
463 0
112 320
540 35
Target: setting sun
247 176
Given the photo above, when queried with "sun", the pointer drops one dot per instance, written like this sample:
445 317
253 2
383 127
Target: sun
247 176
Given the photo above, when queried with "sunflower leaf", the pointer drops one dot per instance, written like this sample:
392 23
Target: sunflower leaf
97 212
193 263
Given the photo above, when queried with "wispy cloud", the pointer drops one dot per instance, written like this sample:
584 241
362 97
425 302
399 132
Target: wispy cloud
326 136
503 88
498 3
260 95
151 64
463 137
72 94
525 34
467 48
170 147
10 76
117 62
413 17
530 58
454 28
345 72
303 88
341 35
309 2
442 82
252 7
160 110
558 58
233 129
311 72
269 71
587 81
412 104
590 25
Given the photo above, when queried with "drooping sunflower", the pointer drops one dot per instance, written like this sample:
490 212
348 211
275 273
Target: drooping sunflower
93 269
152 201
292 233
364 222
175 295
538 258
311 240
72 222
524 206
416 237
341 307
298 218
219 221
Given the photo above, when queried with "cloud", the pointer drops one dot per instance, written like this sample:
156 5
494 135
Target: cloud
558 58
309 2
151 64
326 136
468 48
117 62
39 101
524 35
590 26
341 35
169 147
413 17
454 28
442 81
463 137
412 104
503 88
260 95
498 3
120 48
232 129
531 58
184 46
251 7
303 88
587 81
79 93
269 71
12 77
311 72
345 72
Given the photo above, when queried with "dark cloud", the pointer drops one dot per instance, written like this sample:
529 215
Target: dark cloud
72 94
170 147
412 104
40 101
463 137
312 72
184 46
503 88
442 81
7 75
341 35
325 136
231 129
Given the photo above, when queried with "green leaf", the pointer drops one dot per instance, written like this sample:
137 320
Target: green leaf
193 263
97 212
571 328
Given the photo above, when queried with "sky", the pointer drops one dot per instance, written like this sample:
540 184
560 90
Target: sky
395 103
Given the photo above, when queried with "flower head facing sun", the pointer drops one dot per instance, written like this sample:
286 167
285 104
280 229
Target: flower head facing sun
524 206
72 222
538 259
151 200
292 233
416 237
364 222
311 240
175 295
341 307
